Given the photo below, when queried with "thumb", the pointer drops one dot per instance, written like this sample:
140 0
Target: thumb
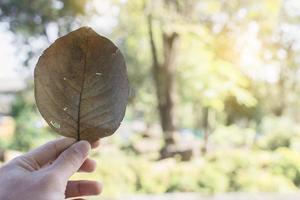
70 160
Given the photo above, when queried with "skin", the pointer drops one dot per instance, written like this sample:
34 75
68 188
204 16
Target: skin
43 174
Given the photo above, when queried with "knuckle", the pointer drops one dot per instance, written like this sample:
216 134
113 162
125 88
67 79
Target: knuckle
17 160
72 156
53 146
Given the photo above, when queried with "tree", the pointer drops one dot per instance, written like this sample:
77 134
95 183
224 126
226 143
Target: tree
164 80
164 71
34 19
193 64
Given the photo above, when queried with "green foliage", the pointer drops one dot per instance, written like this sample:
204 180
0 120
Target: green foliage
232 136
287 164
31 130
239 170
253 108
279 132
180 177
115 171
31 18
23 102
252 172
212 180
256 180
3 144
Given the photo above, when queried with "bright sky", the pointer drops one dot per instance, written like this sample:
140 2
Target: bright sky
8 59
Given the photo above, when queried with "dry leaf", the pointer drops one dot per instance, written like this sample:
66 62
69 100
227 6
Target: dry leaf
81 85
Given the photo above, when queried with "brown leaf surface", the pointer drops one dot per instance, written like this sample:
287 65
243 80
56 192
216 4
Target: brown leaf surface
81 85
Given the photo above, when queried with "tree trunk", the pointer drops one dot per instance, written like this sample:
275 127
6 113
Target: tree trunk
164 83
281 106
206 129
284 78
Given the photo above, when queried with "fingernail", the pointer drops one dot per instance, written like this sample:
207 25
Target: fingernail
83 147
99 188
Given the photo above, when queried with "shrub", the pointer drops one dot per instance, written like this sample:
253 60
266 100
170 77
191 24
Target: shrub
153 177
287 163
114 172
30 132
184 177
212 180
261 180
278 132
232 136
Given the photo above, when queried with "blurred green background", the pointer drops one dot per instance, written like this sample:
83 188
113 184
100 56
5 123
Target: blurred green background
215 91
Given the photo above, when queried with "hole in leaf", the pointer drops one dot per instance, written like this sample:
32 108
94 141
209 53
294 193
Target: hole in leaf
55 124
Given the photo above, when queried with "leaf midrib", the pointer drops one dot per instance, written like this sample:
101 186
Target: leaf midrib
81 89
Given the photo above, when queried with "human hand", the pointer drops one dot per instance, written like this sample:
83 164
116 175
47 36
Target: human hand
43 174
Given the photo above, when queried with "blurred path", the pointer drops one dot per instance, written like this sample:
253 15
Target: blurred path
232 196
